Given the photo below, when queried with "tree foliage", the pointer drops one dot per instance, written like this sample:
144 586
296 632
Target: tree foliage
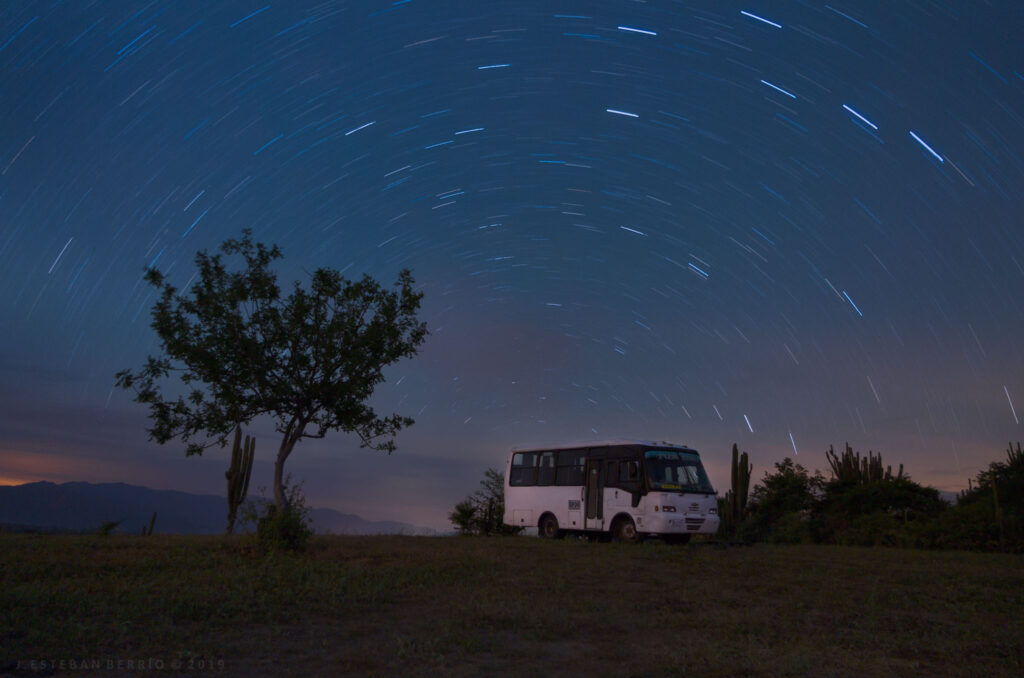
782 502
790 488
308 361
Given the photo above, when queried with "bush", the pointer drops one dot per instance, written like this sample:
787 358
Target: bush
288 530
464 517
975 525
896 495
889 512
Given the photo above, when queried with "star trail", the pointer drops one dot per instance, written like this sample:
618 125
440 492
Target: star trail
784 226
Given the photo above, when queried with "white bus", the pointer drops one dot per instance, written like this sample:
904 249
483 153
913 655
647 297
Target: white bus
626 488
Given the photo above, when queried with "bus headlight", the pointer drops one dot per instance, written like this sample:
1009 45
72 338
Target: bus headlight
668 509
713 511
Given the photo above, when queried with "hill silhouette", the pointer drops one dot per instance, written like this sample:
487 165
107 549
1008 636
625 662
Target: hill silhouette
82 507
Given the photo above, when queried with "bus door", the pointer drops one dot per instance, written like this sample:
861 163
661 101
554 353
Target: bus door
594 494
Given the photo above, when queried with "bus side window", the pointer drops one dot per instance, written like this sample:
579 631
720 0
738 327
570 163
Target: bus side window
629 476
570 467
546 470
524 469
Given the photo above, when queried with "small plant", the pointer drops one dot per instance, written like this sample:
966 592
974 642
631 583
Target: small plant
106 527
148 531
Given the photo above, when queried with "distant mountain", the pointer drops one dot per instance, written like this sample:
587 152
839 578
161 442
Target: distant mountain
82 507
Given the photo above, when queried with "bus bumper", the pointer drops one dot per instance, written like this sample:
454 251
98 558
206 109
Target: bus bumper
681 524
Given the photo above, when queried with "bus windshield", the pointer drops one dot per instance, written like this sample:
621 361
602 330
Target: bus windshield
669 470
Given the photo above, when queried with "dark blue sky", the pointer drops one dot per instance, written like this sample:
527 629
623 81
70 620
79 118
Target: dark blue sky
781 224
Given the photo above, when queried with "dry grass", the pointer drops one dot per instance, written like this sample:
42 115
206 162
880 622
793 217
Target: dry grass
407 606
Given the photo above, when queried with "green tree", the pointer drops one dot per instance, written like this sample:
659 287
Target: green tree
782 501
790 488
308 361
483 512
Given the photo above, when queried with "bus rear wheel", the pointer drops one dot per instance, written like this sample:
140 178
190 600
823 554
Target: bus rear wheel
624 530
548 527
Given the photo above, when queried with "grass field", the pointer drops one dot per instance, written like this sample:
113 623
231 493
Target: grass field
416 606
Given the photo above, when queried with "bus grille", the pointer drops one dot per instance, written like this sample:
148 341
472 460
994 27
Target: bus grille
693 524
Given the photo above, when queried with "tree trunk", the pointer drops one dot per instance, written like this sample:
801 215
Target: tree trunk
280 498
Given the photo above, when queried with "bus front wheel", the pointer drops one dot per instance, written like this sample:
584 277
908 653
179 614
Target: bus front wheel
624 530
548 527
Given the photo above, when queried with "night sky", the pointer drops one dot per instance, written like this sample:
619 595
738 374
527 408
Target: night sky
781 224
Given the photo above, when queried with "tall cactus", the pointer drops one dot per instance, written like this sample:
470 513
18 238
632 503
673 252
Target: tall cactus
238 474
740 483
851 468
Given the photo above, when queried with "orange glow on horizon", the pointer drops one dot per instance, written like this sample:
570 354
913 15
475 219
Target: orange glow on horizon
12 480
25 466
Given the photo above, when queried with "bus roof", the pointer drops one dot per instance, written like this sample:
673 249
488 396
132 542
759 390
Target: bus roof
614 442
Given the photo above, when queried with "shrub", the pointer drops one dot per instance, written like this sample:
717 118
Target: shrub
464 517
890 511
287 530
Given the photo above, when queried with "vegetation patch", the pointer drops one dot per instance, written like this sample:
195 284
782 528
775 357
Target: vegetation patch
863 504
